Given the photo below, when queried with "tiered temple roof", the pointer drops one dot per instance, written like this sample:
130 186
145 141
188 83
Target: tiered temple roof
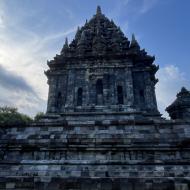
101 37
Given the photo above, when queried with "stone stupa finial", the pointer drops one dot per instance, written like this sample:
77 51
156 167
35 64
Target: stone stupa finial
134 43
184 90
65 46
66 42
133 39
98 10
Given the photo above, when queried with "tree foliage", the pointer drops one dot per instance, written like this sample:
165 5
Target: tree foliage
38 116
10 116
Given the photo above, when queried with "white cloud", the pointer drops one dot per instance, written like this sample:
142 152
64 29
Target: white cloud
2 25
147 5
171 79
27 102
25 53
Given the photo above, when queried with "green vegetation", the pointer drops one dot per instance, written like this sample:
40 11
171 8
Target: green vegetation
10 116
38 116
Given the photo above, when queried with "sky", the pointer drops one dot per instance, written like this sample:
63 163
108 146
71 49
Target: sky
34 31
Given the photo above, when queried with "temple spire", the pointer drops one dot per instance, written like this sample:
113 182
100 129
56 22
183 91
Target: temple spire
77 35
98 11
65 47
66 42
183 92
133 37
134 43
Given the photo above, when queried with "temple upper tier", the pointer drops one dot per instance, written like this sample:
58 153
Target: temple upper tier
101 37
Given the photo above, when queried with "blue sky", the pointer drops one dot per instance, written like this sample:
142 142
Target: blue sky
33 31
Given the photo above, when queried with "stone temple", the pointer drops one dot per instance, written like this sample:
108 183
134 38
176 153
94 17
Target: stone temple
102 75
102 129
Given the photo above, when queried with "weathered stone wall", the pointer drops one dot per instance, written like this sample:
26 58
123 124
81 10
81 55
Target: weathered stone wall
144 92
119 155
137 87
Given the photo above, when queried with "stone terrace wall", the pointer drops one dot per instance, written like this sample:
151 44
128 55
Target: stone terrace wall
122 155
